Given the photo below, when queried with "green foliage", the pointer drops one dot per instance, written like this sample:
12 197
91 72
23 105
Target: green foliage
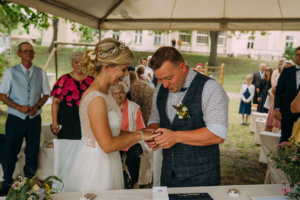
87 34
287 158
12 14
289 53
32 189
4 63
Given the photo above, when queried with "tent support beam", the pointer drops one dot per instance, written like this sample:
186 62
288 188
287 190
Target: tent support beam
261 20
115 6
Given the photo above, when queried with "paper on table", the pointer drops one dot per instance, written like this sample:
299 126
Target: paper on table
160 193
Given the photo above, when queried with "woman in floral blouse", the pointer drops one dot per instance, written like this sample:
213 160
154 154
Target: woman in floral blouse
66 95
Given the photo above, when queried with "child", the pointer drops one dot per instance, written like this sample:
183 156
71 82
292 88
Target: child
247 93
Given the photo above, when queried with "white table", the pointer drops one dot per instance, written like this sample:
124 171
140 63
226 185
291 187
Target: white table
253 117
268 143
260 124
216 192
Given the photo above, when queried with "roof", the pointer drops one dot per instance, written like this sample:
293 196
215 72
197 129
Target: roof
212 15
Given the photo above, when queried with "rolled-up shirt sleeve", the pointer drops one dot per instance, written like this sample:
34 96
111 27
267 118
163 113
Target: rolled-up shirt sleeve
46 88
215 108
154 116
6 82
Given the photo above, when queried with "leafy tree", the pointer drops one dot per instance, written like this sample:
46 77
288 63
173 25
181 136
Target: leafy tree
11 14
289 53
88 34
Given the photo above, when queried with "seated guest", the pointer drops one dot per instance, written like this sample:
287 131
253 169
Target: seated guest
132 121
264 86
141 93
66 95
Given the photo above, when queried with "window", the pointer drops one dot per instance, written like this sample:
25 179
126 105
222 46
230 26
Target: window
116 35
157 38
185 37
221 39
202 37
289 41
138 38
250 42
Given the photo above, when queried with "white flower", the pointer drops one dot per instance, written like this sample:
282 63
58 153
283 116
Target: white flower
35 188
91 53
180 117
184 109
180 104
93 57
177 113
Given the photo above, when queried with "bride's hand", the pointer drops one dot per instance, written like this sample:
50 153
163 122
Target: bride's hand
149 135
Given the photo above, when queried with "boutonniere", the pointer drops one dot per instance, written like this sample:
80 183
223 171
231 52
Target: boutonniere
182 111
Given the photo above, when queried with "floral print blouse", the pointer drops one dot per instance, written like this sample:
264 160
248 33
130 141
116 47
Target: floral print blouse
69 90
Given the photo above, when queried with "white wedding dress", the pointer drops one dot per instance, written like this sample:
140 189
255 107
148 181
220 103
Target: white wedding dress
89 168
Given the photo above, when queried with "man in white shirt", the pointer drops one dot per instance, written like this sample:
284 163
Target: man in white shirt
24 89
190 137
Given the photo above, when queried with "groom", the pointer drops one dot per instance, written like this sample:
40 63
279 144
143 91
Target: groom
191 154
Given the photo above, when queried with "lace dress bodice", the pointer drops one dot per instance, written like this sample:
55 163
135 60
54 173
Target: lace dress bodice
114 118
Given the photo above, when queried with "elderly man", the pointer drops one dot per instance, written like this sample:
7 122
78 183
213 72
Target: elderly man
191 133
257 76
24 89
286 91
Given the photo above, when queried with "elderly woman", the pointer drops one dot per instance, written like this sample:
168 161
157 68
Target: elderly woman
66 95
132 121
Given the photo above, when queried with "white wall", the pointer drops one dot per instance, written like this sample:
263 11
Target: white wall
269 46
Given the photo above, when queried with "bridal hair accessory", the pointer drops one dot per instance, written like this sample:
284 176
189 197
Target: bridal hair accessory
182 111
112 51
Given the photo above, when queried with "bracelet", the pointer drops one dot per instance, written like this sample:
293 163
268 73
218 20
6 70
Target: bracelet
142 135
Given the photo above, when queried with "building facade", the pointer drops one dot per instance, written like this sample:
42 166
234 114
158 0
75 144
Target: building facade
268 45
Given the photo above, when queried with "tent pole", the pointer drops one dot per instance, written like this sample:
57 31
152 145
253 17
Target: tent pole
55 60
99 28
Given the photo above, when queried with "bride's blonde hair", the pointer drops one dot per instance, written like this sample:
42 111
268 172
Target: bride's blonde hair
108 52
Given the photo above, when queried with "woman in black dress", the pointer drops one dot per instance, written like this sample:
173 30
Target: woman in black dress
66 95
265 85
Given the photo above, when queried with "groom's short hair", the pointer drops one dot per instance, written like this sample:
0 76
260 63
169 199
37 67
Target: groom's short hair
165 54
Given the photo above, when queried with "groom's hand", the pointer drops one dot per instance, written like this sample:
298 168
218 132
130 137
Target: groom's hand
151 144
167 139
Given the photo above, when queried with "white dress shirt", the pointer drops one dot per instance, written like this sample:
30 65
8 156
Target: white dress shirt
7 78
214 105
297 77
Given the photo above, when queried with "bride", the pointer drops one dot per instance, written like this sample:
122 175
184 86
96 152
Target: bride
96 164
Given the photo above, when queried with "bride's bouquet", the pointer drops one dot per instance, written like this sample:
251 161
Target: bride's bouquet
32 189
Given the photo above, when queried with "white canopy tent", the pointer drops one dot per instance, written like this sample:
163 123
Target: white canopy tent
212 15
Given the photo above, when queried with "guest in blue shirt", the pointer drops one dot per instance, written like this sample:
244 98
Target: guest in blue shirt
24 89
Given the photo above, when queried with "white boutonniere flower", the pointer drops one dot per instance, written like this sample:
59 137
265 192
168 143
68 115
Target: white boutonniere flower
182 111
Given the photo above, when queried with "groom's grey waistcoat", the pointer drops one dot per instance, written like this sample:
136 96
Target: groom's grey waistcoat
187 165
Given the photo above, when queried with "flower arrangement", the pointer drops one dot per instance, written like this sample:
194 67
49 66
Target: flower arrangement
32 189
287 158
182 111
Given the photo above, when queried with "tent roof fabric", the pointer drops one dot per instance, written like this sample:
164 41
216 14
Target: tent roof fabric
210 15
